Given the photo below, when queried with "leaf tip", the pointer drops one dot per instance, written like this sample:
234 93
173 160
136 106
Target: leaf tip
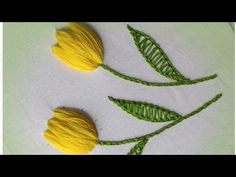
213 76
130 28
110 98
219 95
138 148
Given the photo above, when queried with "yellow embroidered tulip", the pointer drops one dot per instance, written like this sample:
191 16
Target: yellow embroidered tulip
71 132
79 47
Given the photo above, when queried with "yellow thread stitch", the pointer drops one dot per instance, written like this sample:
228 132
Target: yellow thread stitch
71 132
79 47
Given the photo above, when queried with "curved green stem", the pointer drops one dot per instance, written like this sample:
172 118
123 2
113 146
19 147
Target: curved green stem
204 106
131 140
157 84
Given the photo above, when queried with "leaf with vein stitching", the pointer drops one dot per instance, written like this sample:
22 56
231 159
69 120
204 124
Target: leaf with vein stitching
154 55
138 148
146 111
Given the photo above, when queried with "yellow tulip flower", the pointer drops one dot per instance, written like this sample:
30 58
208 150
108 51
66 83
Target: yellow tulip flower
79 47
71 132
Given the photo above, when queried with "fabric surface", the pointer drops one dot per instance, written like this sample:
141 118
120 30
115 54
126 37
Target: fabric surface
35 82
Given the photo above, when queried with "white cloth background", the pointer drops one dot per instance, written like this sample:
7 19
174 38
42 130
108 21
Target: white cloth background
35 82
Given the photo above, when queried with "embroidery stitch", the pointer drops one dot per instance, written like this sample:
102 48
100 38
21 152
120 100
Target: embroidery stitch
151 112
79 47
146 111
157 132
156 57
138 148
73 132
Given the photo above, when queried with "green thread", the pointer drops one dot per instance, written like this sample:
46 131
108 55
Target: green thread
146 111
158 60
136 139
154 55
138 148
204 106
173 123
157 84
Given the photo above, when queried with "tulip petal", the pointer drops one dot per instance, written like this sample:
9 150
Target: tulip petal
79 47
72 132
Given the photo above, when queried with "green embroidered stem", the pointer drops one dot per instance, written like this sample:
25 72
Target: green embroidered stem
204 106
157 84
147 136
132 140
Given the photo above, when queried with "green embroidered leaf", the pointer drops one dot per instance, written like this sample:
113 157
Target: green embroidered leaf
146 111
138 148
154 55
